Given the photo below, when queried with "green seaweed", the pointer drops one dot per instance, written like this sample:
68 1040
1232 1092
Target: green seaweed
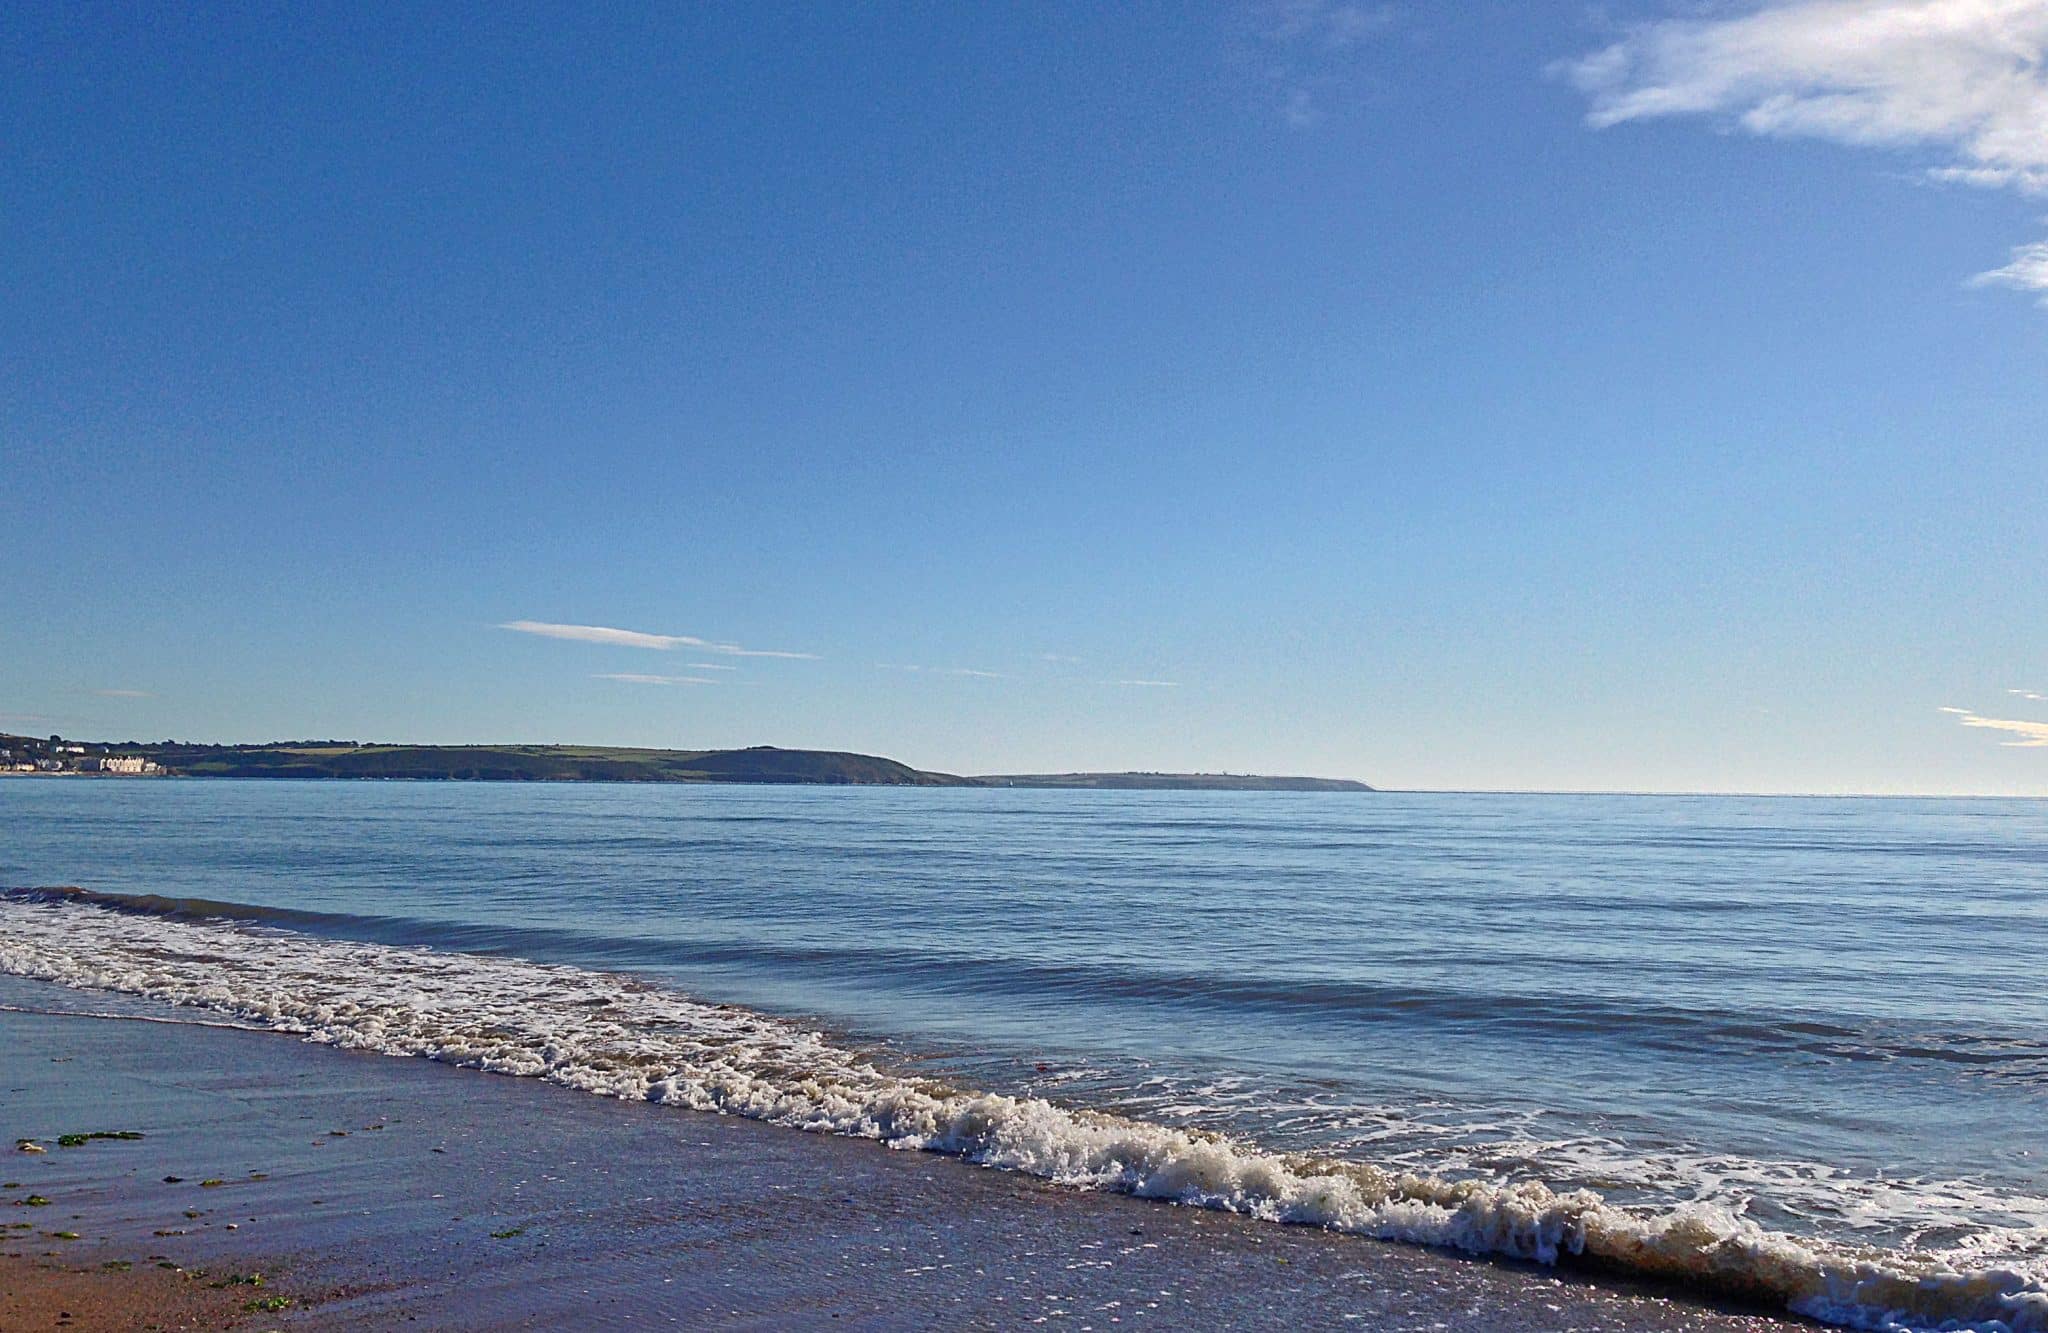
265 1303
508 1234
33 1201
80 1140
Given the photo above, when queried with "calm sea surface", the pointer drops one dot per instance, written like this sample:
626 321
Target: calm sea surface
1828 1016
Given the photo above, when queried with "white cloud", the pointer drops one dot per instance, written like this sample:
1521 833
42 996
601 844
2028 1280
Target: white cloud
2033 735
1963 76
2028 271
1147 684
627 638
1062 658
633 638
635 678
1965 79
124 694
711 666
2031 695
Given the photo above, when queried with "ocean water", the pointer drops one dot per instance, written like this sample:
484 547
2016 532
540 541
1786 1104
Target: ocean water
1794 1048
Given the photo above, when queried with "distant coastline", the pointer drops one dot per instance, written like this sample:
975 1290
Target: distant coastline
334 759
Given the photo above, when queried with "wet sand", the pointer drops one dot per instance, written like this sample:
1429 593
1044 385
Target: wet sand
118 1298
373 1191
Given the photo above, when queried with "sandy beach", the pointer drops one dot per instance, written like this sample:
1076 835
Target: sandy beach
368 1192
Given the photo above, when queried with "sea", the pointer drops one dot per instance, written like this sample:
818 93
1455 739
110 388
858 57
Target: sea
1788 1049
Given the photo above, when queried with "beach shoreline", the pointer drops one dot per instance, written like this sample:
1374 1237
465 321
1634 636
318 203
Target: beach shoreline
370 1191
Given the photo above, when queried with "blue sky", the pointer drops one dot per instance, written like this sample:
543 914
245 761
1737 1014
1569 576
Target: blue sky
1648 397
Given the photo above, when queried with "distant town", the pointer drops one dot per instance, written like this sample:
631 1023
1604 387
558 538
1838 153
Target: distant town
24 754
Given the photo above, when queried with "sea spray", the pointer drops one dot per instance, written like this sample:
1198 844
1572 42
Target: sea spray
618 1037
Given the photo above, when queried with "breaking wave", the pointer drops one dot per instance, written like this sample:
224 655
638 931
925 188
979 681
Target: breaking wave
614 1036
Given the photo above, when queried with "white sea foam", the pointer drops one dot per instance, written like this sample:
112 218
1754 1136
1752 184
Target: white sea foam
1510 1141
616 1037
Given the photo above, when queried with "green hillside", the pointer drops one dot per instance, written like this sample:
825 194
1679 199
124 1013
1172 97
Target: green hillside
601 763
539 763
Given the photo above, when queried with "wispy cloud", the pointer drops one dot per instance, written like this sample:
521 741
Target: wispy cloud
1964 79
2028 271
624 638
711 666
1063 659
1146 684
942 671
2030 695
124 694
2032 735
1310 51
633 638
734 650
636 678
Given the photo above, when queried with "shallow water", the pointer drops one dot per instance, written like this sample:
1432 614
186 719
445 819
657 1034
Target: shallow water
1822 1020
